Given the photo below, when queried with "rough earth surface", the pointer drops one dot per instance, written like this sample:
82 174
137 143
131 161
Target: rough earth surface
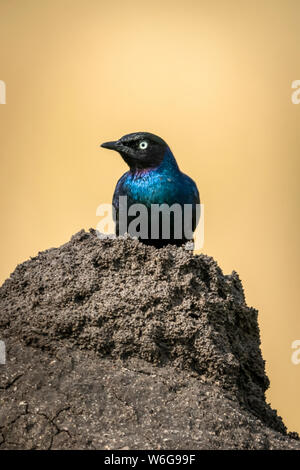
112 344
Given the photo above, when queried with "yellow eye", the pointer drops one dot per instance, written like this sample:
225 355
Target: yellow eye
143 145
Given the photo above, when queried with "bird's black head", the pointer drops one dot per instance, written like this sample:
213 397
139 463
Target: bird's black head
140 150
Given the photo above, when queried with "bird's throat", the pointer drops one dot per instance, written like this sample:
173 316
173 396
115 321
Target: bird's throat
142 172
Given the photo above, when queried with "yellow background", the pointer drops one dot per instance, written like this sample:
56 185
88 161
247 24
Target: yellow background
213 78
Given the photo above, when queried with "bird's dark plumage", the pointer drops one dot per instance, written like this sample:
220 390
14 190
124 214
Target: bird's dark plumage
153 178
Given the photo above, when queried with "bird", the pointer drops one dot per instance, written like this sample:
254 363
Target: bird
155 184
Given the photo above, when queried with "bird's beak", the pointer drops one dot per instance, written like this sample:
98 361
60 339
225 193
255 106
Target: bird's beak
110 145
118 147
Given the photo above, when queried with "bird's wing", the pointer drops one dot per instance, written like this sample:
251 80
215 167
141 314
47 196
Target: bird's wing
194 199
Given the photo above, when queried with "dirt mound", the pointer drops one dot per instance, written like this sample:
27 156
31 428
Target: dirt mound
112 344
